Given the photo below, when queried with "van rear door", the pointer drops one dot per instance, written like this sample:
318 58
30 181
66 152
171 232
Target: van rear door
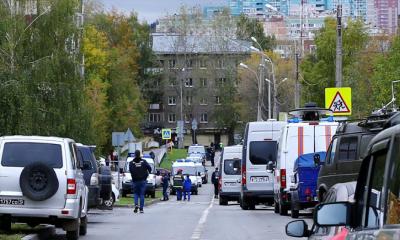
231 175
323 137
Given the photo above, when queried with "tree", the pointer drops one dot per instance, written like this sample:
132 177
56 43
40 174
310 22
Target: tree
249 27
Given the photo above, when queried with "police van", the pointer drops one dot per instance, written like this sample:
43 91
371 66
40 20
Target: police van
309 131
188 168
259 151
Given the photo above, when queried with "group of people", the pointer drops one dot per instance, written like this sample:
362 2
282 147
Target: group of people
140 170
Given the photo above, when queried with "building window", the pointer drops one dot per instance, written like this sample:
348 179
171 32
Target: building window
203 63
172 82
171 118
189 82
154 117
204 118
220 81
220 63
203 101
189 63
171 100
188 117
203 82
172 63
189 100
217 100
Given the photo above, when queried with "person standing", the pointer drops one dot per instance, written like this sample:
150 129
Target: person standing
187 188
178 184
212 153
139 170
165 183
215 181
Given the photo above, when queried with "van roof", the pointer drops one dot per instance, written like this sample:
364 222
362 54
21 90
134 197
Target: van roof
34 138
233 149
177 164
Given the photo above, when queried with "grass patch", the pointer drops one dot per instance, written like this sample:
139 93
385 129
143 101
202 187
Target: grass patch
123 201
18 231
172 156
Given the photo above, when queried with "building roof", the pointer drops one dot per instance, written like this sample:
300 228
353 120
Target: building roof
173 44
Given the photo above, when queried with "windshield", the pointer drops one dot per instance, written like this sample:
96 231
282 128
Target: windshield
232 166
131 159
185 170
196 149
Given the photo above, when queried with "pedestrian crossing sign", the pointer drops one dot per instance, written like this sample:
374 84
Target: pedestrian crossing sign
338 100
166 133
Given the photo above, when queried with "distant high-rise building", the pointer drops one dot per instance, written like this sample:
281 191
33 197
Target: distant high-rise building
252 8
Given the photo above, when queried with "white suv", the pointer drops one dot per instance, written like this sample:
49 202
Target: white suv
42 182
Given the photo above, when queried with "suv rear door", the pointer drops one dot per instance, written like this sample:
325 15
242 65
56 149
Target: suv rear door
15 155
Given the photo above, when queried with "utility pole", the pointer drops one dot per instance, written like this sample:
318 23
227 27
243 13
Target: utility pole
297 84
338 77
260 88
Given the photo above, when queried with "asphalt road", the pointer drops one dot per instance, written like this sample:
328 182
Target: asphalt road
201 218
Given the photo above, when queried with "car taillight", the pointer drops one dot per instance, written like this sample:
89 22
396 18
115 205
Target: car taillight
71 186
220 183
94 179
283 178
243 175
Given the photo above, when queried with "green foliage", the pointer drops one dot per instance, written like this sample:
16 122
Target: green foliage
248 27
173 156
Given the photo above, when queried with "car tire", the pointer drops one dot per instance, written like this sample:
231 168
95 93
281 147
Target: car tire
5 224
283 211
294 213
38 181
108 204
243 204
252 206
83 226
223 201
276 208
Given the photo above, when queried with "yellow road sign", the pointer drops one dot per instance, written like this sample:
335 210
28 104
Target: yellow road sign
166 133
338 100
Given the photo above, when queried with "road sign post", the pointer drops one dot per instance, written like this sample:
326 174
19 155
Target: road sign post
338 100
194 128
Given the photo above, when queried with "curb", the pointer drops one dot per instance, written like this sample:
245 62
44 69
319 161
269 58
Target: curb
44 233
145 204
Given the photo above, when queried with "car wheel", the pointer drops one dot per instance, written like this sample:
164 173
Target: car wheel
222 201
283 211
294 213
5 224
244 205
38 181
83 226
110 202
252 206
276 208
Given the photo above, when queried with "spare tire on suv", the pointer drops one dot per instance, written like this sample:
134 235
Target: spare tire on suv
38 181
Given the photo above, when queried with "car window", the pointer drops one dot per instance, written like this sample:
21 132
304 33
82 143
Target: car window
365 139
373 206
261 152
393 197
232 167
331 152
73 154
21 154
348 148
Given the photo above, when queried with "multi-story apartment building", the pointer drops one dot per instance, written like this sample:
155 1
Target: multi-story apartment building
194 70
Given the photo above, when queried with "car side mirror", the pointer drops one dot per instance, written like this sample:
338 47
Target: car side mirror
317 160
298 228
270 166
333 214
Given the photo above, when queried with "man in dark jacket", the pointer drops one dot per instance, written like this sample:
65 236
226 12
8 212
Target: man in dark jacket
215 181
178 184
165 184
139 170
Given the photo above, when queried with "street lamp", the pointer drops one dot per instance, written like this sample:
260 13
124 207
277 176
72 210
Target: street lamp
242 65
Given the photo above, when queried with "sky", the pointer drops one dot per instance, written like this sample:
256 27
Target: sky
151 10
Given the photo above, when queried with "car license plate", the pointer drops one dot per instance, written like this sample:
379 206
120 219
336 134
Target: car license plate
11 201
230 184
260 179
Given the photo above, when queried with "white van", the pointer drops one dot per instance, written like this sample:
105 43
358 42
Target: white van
230 177
188 168
259 151
300 136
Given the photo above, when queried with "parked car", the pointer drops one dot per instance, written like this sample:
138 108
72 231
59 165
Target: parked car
347 150
341 192
197 149
309 131
151 179
196 158
259 151
304 192
97 179
42 183
230 177
375 212
188 168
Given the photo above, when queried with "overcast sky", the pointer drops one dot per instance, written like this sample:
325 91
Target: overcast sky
150 10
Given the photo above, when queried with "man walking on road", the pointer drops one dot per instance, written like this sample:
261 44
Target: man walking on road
215 181
139 170
165 184
178 184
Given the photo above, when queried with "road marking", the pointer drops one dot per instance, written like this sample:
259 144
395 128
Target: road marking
199 228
